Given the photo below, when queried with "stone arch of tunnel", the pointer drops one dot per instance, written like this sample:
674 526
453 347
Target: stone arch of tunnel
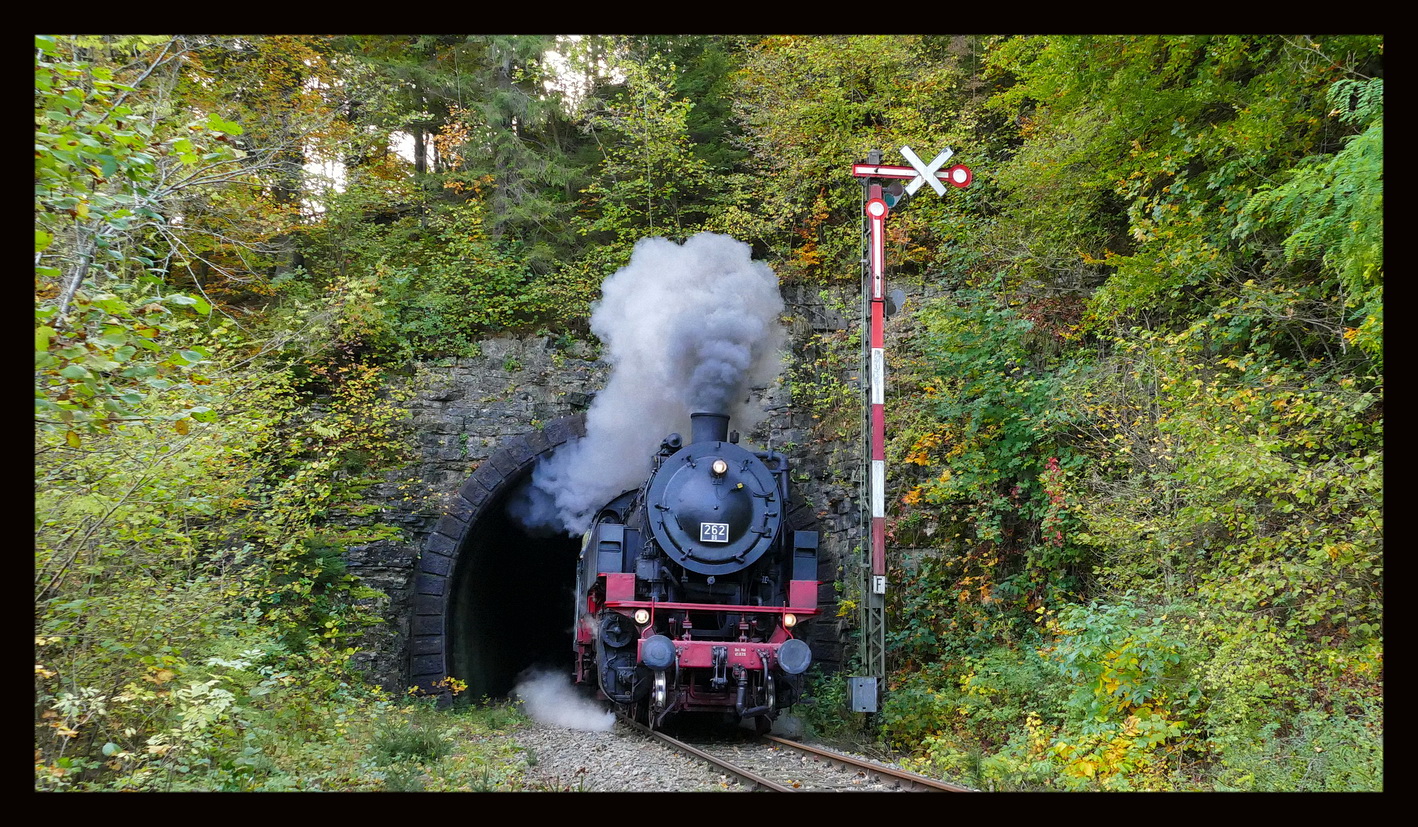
491 601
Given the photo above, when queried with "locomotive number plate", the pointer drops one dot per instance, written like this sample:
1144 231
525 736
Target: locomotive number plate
713 532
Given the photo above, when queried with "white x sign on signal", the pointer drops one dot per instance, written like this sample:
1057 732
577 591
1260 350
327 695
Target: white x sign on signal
927 173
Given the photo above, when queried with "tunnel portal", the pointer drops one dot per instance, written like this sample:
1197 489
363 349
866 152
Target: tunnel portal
492 601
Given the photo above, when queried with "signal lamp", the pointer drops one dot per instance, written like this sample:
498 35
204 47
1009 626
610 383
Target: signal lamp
893 194
789 620
642 616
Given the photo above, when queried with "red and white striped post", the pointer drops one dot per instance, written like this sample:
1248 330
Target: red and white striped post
877 211
873 605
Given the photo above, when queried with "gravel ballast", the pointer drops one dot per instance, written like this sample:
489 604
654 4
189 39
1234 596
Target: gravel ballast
621 760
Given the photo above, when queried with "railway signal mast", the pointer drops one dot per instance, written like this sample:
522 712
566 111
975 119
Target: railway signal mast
878 201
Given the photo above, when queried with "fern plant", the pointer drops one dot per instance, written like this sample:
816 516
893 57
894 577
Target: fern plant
1333 208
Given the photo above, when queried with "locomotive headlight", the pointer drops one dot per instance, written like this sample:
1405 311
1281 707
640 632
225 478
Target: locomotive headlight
789 620
642 616
720 468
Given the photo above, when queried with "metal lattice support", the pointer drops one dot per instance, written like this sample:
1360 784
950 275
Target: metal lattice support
876 206
872 621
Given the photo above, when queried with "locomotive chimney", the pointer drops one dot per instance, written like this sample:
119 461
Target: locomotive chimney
709 427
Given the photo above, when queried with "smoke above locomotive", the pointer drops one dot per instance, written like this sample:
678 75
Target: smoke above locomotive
686 328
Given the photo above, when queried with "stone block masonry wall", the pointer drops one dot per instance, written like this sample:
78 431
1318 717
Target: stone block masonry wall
826 467
459 411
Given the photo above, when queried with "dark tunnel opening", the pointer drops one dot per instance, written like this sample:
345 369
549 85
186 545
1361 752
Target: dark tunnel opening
510 607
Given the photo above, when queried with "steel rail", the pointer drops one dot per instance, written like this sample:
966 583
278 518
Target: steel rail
908 780
919 782
733 769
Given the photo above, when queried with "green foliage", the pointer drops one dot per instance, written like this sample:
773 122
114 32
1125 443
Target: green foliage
982 720
650 178
1215 411
810 107
1176 130
110 335
414 738
820 386
986 470
1117 661
980 696
704 67
466 286
974 349
157 555
1334 208
429 285
824 706
242 723
1130 688
1319 751
1261 486
177 599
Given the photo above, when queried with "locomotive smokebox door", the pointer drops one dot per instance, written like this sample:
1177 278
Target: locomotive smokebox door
714 507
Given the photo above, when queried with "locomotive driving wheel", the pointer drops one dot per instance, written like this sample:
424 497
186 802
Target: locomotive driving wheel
659 692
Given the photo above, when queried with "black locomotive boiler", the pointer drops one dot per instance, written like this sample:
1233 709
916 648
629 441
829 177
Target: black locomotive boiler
690 590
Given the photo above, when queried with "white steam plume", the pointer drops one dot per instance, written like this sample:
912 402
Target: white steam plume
549 697
686 328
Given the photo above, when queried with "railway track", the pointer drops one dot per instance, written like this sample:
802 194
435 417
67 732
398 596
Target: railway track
778 765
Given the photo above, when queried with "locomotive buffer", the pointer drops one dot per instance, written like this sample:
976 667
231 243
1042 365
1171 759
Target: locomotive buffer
878 201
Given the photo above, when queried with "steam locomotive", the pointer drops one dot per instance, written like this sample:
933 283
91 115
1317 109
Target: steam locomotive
690 590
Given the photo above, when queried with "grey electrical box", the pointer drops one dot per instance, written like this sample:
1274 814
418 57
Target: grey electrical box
863 694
